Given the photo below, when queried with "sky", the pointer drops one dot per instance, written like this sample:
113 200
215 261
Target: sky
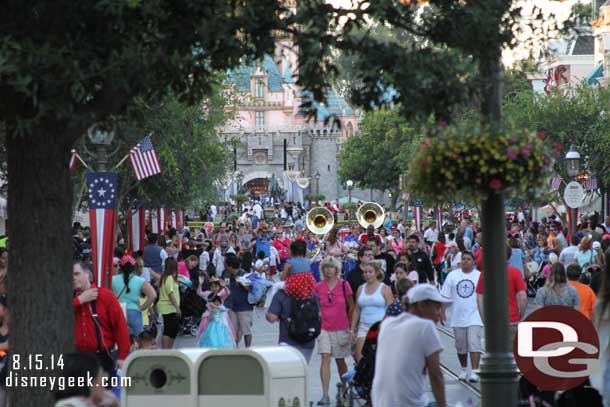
560 8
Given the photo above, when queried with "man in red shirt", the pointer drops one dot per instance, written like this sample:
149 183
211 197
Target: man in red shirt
517 297
98 334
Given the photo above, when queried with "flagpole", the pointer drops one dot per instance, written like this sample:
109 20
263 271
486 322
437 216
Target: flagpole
82 161
122 161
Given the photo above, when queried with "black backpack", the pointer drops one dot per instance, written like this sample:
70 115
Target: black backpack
304 324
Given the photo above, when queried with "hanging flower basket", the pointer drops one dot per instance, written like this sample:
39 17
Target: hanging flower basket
469 163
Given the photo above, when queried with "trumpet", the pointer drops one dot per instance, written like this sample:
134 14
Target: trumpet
319 221
370 213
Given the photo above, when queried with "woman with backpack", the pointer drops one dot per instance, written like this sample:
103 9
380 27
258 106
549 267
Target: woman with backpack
336 303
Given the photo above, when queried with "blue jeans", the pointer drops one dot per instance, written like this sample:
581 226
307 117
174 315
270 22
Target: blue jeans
134 322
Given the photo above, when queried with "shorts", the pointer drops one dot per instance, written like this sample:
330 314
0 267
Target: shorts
337 343
363 329
242 322
468 339
170 325
134 322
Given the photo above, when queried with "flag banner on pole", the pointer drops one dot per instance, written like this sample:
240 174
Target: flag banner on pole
102 213
148 217
179 219
73 158
154 222
144 159
173 219
556 182
417 212
439 215
136 223
162 220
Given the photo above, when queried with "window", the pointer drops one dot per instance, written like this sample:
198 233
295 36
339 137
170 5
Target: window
260 120
259 89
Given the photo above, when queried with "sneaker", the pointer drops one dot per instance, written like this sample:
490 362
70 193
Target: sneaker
463 375
474 378
324 401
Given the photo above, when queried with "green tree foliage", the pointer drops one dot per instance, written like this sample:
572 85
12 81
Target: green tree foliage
186 139
375 157
577 118
65 65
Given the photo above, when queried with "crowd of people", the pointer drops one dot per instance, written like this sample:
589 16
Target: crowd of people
353 294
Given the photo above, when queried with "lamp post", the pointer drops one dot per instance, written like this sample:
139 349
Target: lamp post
101 138
240 178
350 185
572 159
317 183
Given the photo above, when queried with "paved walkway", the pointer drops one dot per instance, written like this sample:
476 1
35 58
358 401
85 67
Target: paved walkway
266 334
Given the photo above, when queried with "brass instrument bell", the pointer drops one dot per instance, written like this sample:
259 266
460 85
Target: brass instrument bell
370 213
319 221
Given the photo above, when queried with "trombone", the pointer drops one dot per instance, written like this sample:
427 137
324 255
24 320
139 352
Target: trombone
319 221
370 213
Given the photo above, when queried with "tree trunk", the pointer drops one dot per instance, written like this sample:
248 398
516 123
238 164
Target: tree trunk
39 278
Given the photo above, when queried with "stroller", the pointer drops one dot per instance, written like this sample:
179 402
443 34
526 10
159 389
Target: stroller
581 395
192 307
536 279
360 380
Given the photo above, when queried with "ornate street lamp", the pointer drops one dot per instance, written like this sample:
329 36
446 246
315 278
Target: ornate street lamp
101 137
572 162
317 183
350 185
572 159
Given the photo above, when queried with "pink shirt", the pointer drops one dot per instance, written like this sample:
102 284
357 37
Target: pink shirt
334 306
182 270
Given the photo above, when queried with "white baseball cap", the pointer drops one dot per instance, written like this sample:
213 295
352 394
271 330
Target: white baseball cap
425 292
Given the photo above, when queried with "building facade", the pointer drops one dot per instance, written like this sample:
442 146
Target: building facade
275 142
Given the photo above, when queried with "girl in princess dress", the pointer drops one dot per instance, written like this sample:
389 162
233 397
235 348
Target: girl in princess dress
217 333
217 286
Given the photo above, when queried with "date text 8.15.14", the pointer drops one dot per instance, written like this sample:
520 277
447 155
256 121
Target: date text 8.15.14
37 361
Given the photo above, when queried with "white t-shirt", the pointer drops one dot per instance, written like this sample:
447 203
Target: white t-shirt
274 256
400 378
204 259
258 211
460 288
567 255
431 235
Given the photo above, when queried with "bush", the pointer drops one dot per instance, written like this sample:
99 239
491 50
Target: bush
314 197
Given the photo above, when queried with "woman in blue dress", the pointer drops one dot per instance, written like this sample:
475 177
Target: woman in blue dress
217 333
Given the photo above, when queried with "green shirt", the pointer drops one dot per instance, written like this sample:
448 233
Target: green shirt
165 306
132 298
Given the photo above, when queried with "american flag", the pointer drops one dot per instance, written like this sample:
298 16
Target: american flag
591 184
556 182
136 223
102 213
144 159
